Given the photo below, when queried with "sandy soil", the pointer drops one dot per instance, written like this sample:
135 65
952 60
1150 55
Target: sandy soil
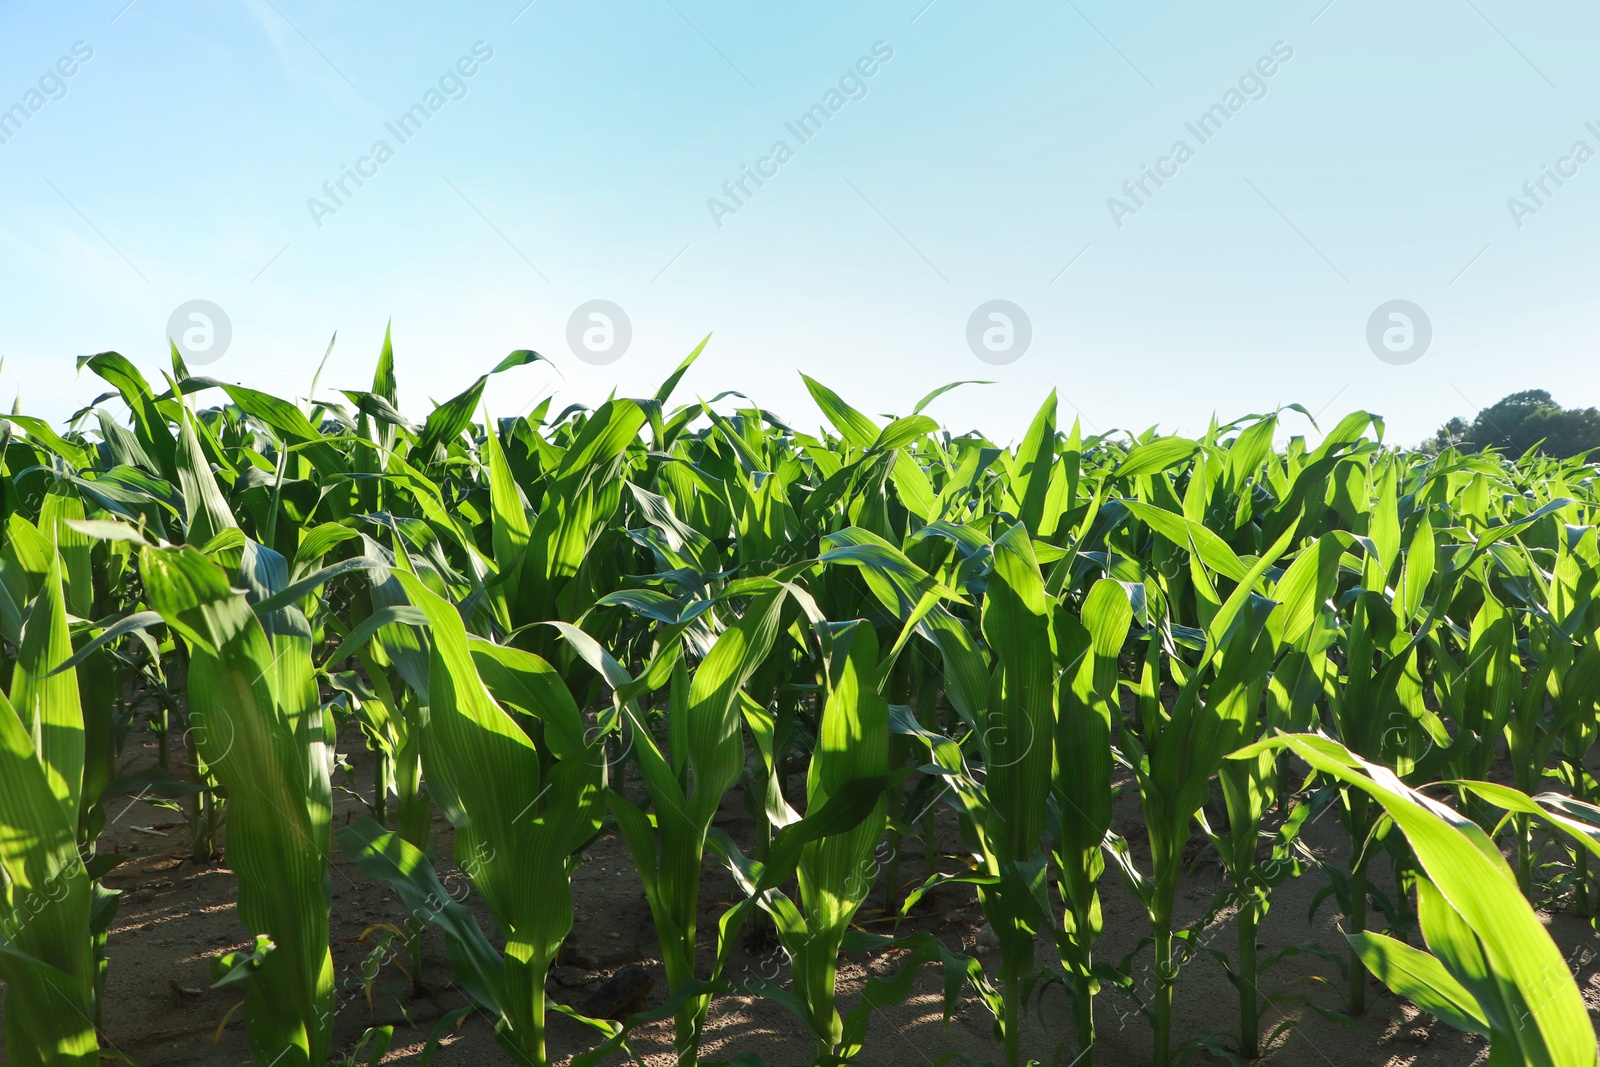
175 914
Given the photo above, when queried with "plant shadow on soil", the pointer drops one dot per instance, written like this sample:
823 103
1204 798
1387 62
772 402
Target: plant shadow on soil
175 914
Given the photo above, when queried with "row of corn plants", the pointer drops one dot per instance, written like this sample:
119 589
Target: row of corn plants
974 645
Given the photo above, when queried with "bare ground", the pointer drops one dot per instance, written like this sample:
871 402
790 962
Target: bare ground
176 914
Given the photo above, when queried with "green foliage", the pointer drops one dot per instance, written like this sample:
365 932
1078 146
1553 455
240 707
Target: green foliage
1520 422
46 954
1495 969
610 621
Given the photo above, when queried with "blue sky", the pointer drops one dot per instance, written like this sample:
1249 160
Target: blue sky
577 160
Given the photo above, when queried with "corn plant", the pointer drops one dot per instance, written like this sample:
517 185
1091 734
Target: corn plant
261 730
1175 754
834 851
1004 800
1572 590
880 580
525 793
837 870
1494 969
1301 631
1081 783
394 655
1377 704
1017 758
1562 688
46 948
686 784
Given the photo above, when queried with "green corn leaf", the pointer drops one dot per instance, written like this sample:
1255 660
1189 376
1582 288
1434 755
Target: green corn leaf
1155 456
943 389
259 727
45 956
295 591
455 415
396 615
1035 463
1421 978
1190 536
1017 732
1544 1013
132 623
40 431
206 510
664 393
856 428
386 856
151 427
48 701
519 817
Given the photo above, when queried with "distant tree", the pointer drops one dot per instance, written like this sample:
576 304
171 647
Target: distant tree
1517 422
1453 434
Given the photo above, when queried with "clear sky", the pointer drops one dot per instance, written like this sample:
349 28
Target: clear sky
1356 153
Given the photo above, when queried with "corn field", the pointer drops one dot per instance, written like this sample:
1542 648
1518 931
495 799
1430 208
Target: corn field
556 629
